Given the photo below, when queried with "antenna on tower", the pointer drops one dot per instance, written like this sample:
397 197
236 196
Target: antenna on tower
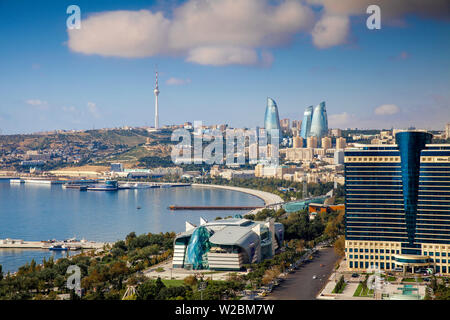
156 92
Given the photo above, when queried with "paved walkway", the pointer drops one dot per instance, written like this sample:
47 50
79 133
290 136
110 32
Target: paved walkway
267 197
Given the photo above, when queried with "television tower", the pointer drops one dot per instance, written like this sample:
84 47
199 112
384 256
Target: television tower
156 91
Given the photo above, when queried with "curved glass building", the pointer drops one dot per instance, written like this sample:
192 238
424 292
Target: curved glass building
319 122
271 118
306 123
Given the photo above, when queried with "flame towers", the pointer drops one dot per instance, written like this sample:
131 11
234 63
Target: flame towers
271 118
315 122
306 123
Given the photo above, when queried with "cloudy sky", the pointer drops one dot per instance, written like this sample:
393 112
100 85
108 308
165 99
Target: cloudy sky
219 60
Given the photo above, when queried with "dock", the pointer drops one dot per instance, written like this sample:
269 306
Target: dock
70 245
214 207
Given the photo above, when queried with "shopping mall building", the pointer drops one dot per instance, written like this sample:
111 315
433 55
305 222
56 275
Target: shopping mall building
226 244
398 205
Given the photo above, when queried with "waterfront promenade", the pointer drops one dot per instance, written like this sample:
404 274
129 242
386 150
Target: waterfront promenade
267 197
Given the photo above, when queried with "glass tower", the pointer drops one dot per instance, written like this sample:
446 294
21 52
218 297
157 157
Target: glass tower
319 121
271 118
397 204
306 123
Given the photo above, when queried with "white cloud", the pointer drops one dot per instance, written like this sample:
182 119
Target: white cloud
69 109
341 120
177 81
93 110
331 31
206 32
219 56
36 102
129 34
223 32
387 109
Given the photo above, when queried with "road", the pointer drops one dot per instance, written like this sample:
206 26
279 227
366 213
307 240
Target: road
301 285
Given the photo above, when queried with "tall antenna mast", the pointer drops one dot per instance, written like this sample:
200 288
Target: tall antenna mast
156 91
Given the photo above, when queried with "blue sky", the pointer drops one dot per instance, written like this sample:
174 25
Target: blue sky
398 76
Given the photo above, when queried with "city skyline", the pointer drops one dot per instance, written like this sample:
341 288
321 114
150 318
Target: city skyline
57 79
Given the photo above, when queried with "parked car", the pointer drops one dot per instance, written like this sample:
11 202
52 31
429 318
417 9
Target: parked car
355 275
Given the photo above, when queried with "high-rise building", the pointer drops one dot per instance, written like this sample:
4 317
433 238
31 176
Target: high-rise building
326 143
339 157
306 123
297 142
341 143
447 131
336 132
397 205
271 118
285 124
156 91
312 142
319 122
296 124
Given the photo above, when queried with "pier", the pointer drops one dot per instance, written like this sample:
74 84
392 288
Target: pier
69 245
214 207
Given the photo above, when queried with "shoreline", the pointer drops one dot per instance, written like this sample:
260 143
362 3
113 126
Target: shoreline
267 197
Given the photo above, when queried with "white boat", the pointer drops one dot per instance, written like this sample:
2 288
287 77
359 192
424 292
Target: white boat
142 186
16 181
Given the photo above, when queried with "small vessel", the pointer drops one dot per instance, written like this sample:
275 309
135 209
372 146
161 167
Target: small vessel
138 207
109 185
58 247
142 186
16 181
75 186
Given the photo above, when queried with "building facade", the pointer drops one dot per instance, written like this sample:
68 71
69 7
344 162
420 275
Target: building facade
398 205
319 122
271 118
226 244
306 123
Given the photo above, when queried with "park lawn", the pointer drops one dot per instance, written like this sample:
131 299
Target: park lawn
391 279
412 280
173 282
361 292
341 290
